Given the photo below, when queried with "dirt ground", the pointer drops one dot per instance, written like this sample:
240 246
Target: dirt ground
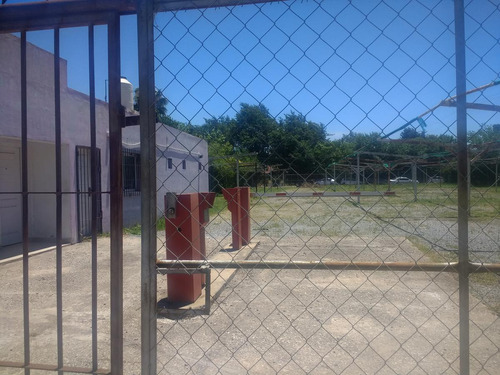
264 321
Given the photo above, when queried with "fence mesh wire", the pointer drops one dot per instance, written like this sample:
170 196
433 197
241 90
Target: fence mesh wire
309 103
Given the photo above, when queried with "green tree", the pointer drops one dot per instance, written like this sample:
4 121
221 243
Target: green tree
254 131
485 134
300 144
410 132
216 131
484 146
161 103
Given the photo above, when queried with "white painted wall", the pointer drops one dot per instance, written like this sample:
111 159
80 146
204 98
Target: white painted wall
10 204
42 207
177 145
75 130
75 124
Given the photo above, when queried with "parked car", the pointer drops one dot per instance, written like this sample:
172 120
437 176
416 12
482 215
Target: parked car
325 181
436 180
402 180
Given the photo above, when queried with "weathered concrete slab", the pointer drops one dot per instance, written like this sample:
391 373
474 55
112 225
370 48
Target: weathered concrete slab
219 279
261 321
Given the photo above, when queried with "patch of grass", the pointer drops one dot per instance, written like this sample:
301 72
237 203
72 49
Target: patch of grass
485 287
433 255
484 278
160 224
220 205
482 284
134 230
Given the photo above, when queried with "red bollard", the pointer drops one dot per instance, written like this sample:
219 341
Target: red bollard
232 196
246 229
238 203
183 243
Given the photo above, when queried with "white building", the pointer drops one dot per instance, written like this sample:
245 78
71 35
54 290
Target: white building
181 167
182 158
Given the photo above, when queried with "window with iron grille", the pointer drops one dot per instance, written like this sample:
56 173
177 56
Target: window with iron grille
131 171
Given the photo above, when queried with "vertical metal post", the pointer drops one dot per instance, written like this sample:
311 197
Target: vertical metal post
237 171
145 18
496 175
78 195
389 179
116 194
93 184
57 112
357 175
463 188
334 178
469 183
414 178
24 157
255 179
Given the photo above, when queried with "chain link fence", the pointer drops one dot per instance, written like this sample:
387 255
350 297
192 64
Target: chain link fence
340 117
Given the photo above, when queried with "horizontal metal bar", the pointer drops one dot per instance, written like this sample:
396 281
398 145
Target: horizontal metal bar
48 21
480 106
484 267
187 271
325 265
172 5
324 194
55 193
72 13
61 13
317 265
40 366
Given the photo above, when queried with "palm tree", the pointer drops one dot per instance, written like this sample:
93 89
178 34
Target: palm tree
161 103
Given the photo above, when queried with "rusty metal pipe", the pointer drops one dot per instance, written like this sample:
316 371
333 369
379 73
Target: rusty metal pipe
329 265
313 265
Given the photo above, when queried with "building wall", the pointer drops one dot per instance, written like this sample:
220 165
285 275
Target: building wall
75 131
182 149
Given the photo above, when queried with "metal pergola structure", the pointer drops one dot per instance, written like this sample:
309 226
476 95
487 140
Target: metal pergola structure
450 102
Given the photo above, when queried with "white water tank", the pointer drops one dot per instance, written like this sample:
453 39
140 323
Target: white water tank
127 92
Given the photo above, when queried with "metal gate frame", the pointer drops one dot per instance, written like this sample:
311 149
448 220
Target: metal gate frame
146 81
70 13
56 15
84 152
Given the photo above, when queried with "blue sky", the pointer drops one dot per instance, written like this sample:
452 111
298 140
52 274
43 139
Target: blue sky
359 65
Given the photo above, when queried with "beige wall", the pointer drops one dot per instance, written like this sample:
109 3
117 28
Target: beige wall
75 131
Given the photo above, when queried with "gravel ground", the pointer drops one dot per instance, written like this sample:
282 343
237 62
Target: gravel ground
286 321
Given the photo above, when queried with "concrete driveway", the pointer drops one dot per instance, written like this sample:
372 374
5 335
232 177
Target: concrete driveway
263 321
